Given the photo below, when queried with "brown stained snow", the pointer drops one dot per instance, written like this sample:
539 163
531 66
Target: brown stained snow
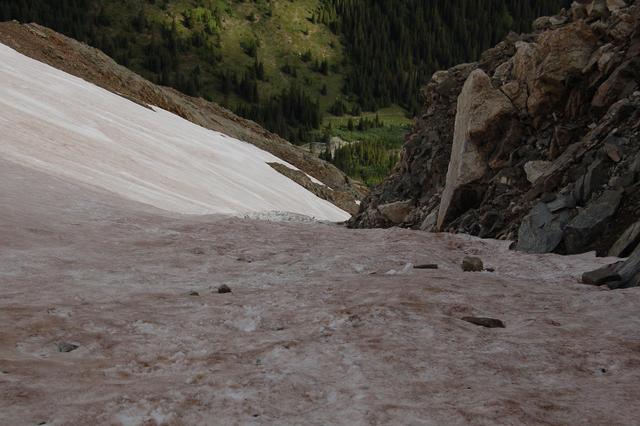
309 335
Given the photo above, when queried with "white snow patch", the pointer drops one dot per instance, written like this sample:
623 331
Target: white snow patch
63 125
404 271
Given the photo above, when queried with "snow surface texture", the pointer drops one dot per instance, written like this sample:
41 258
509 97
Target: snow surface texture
315 332
63 125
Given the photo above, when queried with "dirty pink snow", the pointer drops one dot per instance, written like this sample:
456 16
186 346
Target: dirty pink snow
315 330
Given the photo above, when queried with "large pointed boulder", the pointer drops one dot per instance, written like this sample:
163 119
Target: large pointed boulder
480 120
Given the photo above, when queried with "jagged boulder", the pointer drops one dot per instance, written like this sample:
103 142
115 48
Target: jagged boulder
517 93
590 221
614 5
629 270
618 275
579 10
535 169
559 55
541 230
396 212
481 113
592 181
627 242
598 9
620 84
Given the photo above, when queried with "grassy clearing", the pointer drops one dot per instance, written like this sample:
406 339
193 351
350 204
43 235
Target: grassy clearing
391 116
373 153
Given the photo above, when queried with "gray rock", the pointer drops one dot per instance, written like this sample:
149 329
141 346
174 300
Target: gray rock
613 151
601 276
621 182
589 223
503 71
562 202
396 212
194 293
635 166
426 266
223 289
620 84
619 275
578 11
485 322
616 4
67 347
535 169
627 242
558 20
629 270
472 264
598 9
429 223
542 23
517 93
541 231
593 180
548 197
614 285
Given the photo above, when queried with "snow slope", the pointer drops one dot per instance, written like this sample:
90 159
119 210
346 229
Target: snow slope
315 332
66 127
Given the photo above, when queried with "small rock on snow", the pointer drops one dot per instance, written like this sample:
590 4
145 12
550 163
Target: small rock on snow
485 322
426 266
67 347
472 264
601 276
224 289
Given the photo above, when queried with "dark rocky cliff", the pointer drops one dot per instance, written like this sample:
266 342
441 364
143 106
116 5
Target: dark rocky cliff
537 142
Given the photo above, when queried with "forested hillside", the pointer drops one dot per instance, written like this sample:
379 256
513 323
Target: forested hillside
290 65
394 46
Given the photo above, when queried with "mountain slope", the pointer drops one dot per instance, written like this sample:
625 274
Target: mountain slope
120 309
283 63
537 142
67 127
92 65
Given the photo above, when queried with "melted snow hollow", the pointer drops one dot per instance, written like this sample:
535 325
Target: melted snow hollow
67 127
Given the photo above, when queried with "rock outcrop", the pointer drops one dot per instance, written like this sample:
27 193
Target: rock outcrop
481 113
537 142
